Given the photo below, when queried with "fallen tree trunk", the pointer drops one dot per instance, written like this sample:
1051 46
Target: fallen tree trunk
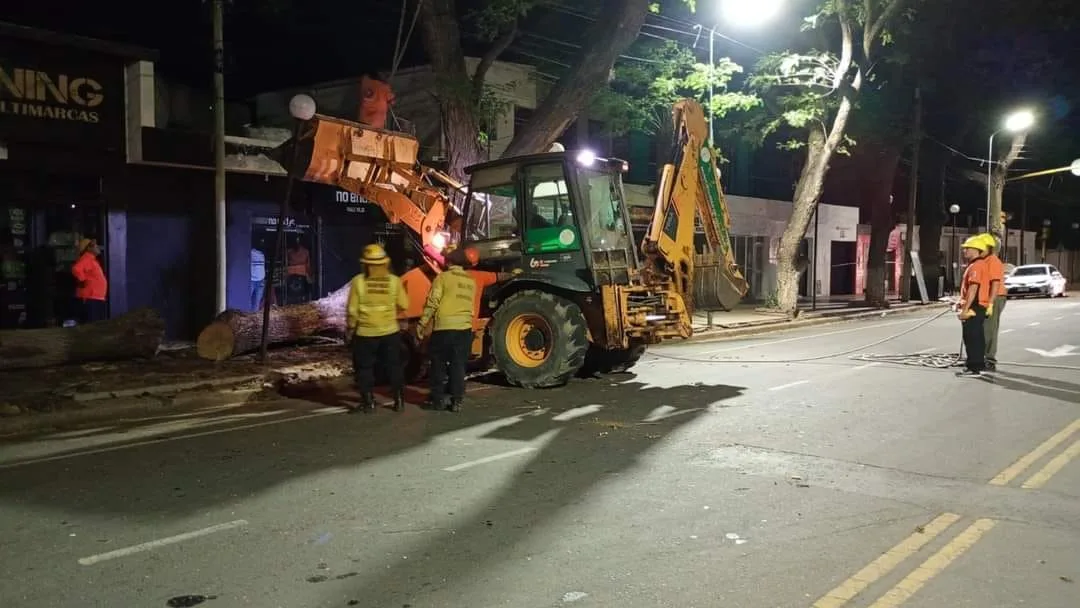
131 336
236 333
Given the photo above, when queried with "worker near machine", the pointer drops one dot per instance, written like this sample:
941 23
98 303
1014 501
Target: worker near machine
91 287
452 304
995 268
375 296
975 298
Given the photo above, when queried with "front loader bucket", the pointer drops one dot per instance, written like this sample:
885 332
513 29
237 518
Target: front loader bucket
718 284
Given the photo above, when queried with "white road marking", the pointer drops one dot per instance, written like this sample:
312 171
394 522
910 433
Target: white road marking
789 385
812 336
577 412
115 448
1005 331
1058 318
659 413
485 460
862 367
156 544
1033 324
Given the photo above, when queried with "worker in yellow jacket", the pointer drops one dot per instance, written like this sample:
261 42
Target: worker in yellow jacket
453 303
375 296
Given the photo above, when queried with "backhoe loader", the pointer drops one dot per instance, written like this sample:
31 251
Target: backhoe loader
586 297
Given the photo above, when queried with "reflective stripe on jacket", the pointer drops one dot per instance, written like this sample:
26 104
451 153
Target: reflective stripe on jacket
451 301
90 278
373 305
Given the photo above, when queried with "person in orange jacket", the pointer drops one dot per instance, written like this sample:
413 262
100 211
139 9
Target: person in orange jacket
91 287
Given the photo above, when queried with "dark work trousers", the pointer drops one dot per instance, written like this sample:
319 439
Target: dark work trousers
975 339
993 325
382 350
449 352
89 311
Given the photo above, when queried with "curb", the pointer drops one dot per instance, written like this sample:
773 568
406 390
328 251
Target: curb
118 405
766 327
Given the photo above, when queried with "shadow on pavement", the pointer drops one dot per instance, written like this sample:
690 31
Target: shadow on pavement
1035 385
583 453
166 478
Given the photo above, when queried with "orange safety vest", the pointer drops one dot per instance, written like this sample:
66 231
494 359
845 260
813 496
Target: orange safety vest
298 262
90 276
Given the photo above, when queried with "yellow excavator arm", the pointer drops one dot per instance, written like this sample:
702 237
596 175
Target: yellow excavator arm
689 189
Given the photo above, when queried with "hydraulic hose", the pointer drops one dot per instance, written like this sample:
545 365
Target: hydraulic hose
939 361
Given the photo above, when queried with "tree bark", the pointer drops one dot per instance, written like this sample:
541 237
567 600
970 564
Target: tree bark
441 33
613 31
131 336
235 333
878 188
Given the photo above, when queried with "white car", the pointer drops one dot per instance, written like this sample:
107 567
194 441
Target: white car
1035 280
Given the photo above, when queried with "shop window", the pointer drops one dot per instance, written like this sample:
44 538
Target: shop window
292 279
14 236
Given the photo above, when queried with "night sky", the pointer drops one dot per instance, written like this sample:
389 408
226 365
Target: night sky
1020 52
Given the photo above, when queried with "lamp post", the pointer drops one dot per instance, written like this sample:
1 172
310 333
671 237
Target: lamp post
953 210
1045 237
302 109
1014 123
742 13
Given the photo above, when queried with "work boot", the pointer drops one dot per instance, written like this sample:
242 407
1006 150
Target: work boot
455 405
399 400
991 365
435 403
368 402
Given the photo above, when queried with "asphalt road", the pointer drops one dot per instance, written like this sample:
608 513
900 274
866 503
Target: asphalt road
713 477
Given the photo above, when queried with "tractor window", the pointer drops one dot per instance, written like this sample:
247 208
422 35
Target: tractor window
549 217
492 209
602 204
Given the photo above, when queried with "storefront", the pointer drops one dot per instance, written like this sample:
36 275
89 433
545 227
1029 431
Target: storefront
61 144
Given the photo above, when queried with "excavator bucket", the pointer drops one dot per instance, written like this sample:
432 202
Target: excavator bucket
718 284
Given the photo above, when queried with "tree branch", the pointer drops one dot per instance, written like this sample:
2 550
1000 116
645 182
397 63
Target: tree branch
497 48
874 28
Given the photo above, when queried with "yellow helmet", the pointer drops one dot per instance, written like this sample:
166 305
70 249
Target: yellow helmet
375 254
990 240
976 242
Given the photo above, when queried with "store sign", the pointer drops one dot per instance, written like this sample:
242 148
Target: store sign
53 94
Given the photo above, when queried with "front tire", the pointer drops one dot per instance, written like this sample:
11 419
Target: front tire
619 361
539 340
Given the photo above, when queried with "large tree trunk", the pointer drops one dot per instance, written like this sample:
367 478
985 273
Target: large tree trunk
997 183
441 32
878 187
131 336
235 333
615 28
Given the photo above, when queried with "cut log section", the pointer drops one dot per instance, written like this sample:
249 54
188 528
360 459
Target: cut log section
235 333
131 336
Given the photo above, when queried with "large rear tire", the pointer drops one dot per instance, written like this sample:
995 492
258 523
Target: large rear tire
539 340
600 361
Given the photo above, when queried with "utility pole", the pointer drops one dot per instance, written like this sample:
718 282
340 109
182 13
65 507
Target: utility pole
1023 224
217 17
913 192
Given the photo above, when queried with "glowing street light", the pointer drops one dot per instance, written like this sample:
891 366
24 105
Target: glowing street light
1016 122
1074 168
741 13
750 13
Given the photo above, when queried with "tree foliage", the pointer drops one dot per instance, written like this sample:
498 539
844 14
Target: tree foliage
642 92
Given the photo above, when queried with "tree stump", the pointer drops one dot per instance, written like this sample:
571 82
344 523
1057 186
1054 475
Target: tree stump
235 333
131 336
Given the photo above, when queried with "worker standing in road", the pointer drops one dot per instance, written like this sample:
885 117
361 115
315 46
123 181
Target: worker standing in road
375 296
975 298
453 303
996 274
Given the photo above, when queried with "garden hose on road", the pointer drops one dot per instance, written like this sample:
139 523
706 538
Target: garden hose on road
925 360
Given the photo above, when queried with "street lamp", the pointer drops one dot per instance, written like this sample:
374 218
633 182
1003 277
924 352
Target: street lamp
1074 168
1014 123
953 210
741 13
1045 237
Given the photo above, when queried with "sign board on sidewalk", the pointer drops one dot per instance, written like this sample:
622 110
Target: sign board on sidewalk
917 267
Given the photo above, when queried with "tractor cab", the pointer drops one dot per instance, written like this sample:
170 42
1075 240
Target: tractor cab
558 215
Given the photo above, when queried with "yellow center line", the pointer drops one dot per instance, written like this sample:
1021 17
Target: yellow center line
934 565
1044 474
1017 468
885 564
